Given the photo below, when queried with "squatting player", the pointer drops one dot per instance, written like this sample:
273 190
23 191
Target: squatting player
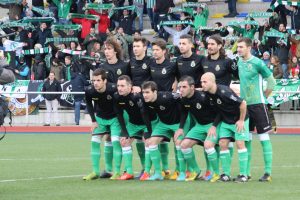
252 71
235 124
101 93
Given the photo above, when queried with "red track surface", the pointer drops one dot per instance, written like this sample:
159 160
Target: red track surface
85 129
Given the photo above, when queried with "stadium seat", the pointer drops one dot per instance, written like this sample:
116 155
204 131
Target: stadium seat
242 15
243 1
218 15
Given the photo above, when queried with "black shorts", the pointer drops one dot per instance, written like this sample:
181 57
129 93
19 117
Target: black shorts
259 118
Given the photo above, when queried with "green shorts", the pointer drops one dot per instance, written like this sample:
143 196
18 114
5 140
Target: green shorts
229 131
199 133
135 131
165 130
108 125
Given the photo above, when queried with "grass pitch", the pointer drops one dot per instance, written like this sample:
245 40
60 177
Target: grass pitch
51 166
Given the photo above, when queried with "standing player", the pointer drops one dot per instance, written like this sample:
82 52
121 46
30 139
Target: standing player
163 71
189 63
166 106
235 124
139 64
135 126
101 93
223 68
196 103
252 71
114 65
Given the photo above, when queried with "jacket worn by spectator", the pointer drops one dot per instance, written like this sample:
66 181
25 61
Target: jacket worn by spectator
63 8
163 6
39 69
41 35
295 18
104 21
126 22
51 87
86 25
78 83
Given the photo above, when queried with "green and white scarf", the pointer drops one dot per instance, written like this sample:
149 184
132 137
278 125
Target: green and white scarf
96 6
66 27
17 24
58 40
38 19
281 2
5 2
260 14
171 23
194 4
132 8
82 16
251 22
36 51
71 52
42 12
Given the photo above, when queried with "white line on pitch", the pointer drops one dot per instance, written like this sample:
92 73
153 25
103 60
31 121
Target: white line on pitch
40 178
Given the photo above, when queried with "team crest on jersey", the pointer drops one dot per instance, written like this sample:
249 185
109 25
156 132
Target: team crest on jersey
217 68
119 72
249 66
219 101
164 71
193 64
198 106
144 66
162 108
131 103
108 97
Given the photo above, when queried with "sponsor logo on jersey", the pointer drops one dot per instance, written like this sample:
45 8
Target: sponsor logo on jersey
249 66
217 68
233 98
131 103
162 108
198 106
187 106
205 67
108 97
151 107
121 103
95 99
164 96
180 63
144 66
193 64
132 67
164 71
119 72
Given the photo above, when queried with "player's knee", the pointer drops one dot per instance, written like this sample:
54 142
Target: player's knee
185 144
178 142
96 138
208 145
240 144
223 144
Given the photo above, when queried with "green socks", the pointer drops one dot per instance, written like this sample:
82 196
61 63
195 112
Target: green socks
190 159
164 151
140 146
230 147
95 153
243 161
155 158
148 162
127 155
208 164
117 154
213 159
181 161
225 161
248 145
267 151
108 156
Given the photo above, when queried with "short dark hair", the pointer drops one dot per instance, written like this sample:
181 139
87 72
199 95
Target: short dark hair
188 37
69 58
52 72
149 85
161 43
100 72
247 41
188 79
125 78
141 39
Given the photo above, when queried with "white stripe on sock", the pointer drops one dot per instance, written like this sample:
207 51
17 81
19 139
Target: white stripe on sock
264 137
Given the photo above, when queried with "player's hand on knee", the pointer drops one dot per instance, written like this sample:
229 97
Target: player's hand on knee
178 133
240 126
94 126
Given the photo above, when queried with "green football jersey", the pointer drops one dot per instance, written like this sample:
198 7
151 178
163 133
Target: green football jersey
251 73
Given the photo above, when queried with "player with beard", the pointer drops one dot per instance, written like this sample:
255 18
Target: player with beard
189 63
234 124
223 68
101 94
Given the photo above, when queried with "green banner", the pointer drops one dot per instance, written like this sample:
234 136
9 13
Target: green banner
235 23
82 16
66 27
194 4
38 19
284 91
168 23
5 2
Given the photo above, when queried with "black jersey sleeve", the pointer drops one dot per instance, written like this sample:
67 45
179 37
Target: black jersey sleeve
89 104
145 115
120 116
183 116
